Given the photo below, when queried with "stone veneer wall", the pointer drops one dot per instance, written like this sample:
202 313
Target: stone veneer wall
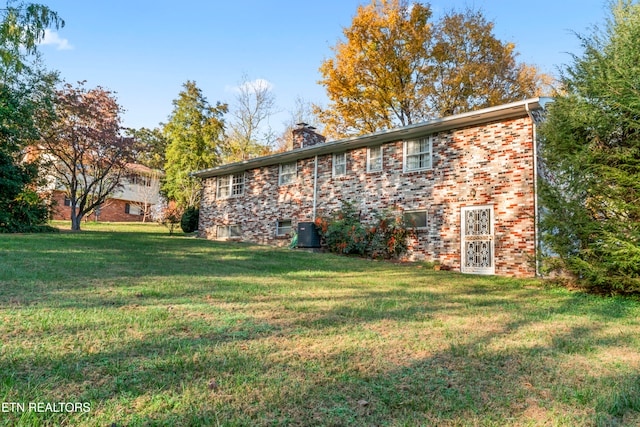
490 164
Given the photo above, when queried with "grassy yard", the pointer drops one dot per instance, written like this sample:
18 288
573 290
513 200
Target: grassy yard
145 329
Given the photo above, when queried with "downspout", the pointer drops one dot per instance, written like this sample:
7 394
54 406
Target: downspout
535 190
315 186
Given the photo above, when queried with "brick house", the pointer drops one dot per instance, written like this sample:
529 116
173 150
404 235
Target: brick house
467 181
134 201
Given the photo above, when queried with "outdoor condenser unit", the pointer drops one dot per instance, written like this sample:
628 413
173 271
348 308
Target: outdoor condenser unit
308 236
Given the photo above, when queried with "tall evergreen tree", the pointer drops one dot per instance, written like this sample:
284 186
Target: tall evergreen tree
591 158
195 133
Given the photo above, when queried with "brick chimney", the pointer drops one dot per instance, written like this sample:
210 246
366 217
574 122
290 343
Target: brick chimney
305 136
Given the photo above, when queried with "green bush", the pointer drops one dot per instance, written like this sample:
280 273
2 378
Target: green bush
189 220
344 233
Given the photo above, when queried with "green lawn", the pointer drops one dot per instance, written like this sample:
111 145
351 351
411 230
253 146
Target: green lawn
149 329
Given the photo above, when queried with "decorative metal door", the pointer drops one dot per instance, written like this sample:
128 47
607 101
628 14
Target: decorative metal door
477 240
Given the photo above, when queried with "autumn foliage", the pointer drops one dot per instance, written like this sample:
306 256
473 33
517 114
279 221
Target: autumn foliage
84 147
395 67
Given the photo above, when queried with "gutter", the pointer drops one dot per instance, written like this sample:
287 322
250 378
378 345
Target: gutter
315 187
501 112
536 213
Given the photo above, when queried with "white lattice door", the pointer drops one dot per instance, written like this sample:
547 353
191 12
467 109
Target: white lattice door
477 240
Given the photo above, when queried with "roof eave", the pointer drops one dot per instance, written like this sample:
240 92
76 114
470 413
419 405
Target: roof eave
501 112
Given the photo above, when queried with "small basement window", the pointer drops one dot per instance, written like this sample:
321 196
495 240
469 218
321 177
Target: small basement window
415 219
229 231
283 228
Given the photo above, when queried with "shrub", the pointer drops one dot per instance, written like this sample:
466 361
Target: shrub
189 220
388 236
170 218
344 233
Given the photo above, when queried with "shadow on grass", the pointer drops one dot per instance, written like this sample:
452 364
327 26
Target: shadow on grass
215 340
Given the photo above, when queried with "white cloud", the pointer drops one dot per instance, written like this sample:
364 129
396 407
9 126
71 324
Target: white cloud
52 38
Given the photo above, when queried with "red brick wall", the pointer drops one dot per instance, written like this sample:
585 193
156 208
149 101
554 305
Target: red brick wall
113 210
490 164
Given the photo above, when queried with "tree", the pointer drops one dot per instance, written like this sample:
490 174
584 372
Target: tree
83 145
248 135
195 133
21 209
25 91
396 68
471 69
591 158
302 112
22 28
150 147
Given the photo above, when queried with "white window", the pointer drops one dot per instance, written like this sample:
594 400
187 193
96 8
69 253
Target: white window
237 184
374 159
230 185
229 231
340 164
283 228
223 186
288 173
417 154
415 219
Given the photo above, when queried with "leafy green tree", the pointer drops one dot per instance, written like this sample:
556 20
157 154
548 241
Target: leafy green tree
591 158
22 28
21 209
195 135
395 67
150 147
25 91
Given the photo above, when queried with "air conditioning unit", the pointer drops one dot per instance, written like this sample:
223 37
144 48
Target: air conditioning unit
308 236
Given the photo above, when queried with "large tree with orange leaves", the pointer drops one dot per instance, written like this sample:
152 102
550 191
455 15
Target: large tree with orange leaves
395 68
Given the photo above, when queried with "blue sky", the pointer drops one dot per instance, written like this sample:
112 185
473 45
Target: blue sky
144 50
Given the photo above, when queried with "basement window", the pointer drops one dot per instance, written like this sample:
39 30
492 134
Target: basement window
229 231
415 219
283 228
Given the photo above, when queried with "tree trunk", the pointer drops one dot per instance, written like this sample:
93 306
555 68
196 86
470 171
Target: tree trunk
75 220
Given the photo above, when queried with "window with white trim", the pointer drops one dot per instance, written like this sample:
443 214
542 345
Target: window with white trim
288 173
283 228
417 154
374 159
230 185
415 219
237 184
229 231
339 164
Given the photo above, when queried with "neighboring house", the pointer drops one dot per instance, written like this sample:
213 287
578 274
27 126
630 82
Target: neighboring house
468 182
134 201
